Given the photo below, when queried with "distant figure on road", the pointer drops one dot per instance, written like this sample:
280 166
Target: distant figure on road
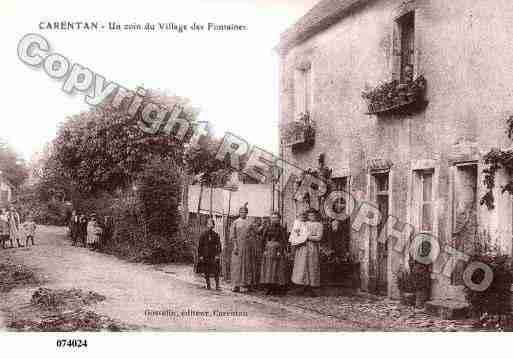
82 230
307 271
29 230
74 227
243 254
14 225
209 254
4 228
94 232
108 231
274 260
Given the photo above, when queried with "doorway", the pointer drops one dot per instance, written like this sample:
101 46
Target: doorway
380 196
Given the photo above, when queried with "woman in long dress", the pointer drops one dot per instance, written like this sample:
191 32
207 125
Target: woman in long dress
307 271
14 226
4 229
274 260
243 254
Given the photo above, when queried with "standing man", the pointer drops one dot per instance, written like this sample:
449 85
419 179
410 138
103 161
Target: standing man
243 256
108 231
82 230
74 227
209 252
14 225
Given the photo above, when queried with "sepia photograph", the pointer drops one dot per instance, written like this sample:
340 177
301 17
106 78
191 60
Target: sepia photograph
256 166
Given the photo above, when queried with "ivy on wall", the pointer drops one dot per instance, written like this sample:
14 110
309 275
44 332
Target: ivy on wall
498 159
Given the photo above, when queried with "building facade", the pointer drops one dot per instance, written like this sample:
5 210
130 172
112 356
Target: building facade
435 78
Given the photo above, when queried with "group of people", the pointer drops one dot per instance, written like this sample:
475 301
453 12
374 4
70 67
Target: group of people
261 253
12 229
88 231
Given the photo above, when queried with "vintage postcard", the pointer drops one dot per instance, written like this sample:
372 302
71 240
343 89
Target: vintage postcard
256 165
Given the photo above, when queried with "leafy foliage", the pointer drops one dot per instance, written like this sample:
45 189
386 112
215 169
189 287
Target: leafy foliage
148 226
104 149
496 299
498 159
202 162
12 165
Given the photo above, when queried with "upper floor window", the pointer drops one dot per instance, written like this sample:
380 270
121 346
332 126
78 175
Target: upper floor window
426 200
303 89
406 27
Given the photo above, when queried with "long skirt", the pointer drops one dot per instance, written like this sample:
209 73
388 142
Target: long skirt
14 234
243 264
209 266
274 268
307 270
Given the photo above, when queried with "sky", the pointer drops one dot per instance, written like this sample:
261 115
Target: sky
231 76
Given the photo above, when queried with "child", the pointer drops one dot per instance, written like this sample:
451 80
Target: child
94 232
29 230
209 252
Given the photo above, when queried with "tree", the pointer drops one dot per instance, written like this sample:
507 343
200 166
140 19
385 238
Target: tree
210 171
12 165
104 149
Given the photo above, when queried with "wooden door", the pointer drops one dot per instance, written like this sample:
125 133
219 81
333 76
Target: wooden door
381 199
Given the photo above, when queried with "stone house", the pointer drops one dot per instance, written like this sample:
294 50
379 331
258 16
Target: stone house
414 145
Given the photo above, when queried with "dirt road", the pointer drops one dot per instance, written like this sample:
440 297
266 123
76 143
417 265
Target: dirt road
140 295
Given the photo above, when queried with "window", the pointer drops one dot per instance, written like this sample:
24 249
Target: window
303 89
423 200
381 197
406 42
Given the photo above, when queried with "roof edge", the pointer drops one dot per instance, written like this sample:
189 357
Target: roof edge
320 17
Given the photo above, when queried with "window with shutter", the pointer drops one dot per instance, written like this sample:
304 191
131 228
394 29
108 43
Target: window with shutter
423 200
403 52
303 90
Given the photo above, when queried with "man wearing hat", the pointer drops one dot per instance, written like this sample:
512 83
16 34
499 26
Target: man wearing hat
243 254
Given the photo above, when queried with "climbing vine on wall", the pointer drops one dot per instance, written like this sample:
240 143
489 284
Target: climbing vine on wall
497 159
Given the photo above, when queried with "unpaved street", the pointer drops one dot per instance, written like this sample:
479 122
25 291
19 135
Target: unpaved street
131 289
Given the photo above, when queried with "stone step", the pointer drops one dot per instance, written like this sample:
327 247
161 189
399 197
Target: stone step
447 309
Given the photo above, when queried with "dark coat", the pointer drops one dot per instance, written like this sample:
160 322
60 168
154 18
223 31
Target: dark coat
209 247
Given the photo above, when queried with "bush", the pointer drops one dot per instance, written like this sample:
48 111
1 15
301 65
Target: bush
405 282
496 299
147 221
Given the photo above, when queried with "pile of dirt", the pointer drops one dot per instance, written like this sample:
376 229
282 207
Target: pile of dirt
14 275
79 320
55 299
63 310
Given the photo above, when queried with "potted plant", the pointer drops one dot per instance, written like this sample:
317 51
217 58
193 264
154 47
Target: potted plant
406 287
421 277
